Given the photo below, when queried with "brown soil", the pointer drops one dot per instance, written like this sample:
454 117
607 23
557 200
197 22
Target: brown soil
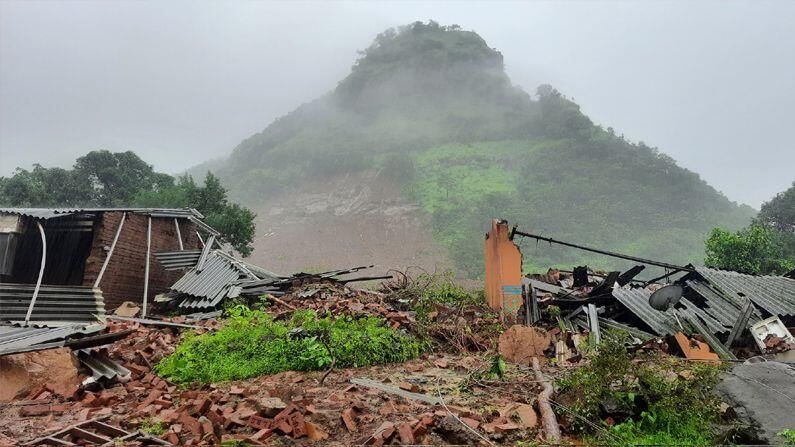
350 220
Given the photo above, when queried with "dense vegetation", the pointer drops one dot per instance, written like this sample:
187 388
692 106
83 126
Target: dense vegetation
653 400
251 343
767 246
122 179
432 107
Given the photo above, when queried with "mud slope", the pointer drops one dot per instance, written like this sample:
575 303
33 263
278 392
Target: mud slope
350 220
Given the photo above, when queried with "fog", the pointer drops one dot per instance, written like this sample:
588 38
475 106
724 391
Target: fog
711 83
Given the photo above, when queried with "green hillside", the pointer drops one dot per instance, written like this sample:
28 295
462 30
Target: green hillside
432 107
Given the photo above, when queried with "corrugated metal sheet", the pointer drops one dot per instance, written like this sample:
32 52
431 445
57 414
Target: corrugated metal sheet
206 288
54 303
720 307
49 213
180 259
664 323
19 339
775 294
637 301
102 366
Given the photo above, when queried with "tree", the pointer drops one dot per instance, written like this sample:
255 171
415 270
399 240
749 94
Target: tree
117 177
121 179
754 250
45 187
779 211
234 222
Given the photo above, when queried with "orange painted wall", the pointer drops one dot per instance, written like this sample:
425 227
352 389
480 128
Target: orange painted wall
503 270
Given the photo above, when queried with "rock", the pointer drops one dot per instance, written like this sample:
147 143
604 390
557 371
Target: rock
21 373
520 343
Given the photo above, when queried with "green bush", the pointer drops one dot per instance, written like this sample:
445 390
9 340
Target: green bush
252 343
429 290
669 401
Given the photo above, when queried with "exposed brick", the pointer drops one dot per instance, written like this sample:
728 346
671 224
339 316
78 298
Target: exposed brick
35 410
349 419
203 405
259 422
298 424
123 278
406 434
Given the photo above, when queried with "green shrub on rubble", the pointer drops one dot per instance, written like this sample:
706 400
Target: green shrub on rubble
669 401
429 290
251 343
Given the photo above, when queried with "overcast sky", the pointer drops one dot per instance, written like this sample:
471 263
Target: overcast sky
710 83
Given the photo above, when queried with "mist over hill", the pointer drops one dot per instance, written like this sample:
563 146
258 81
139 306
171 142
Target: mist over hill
428 111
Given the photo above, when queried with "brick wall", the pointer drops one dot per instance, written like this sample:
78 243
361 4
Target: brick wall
124 277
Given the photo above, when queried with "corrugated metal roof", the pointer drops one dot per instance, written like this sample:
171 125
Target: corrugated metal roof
775 294
720 307
20 339
179 259
664 323
206 288
54 303
637 301
49 213
102 366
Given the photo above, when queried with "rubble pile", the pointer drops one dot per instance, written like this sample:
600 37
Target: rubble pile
292 404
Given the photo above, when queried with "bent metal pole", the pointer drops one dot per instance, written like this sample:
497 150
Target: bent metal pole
41 271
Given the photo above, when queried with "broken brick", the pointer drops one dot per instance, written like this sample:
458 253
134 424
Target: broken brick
406 434
202 406
35 410
263 434
408 387
349 419
259 422
314 432
173 438
470 422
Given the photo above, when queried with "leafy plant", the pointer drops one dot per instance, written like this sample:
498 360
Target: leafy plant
152 426
251 343
498 367
789 435
754 250
664 400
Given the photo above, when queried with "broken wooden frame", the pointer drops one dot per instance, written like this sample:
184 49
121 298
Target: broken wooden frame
96 432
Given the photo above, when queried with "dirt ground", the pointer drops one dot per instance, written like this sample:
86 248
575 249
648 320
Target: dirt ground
352 220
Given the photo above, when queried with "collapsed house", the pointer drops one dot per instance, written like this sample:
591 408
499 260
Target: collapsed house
722 307
71 264
60 269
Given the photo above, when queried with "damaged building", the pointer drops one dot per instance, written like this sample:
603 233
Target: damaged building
728 310
72 264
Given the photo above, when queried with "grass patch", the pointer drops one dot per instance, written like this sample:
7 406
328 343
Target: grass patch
153 426
660 400
251 343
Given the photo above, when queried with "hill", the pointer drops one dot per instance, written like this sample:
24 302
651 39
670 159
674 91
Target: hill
430 109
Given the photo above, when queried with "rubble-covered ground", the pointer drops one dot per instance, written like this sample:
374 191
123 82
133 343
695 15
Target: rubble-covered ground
471 385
